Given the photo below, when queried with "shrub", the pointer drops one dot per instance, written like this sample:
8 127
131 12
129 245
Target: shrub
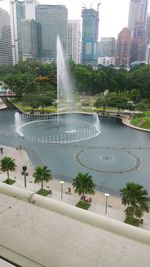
43 192
83 205
9 181
132 221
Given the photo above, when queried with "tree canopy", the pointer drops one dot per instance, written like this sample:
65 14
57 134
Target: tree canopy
83 184
7 164
41 174
135 197
33 76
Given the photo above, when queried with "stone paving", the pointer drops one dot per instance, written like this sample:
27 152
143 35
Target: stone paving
114 210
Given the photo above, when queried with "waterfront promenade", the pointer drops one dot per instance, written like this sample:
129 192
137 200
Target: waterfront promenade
115 209
50 232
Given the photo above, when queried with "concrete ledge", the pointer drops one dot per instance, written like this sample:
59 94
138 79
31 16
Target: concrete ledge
81 215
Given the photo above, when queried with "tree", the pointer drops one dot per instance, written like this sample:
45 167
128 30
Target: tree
83 184
41 174
7 165
134 196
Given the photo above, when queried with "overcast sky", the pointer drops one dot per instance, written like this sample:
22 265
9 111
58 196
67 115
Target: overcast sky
113 13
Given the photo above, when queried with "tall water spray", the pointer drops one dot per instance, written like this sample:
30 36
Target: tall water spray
64 87
67 125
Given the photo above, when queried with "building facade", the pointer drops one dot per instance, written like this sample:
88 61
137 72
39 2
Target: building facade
5 38
147 58
52 21
148 28
106 61
137 11
29 39
17 13
90 27
30 9
138 47
123 48
107 47
74 41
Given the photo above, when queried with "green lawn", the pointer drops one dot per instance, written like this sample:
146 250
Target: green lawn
142 121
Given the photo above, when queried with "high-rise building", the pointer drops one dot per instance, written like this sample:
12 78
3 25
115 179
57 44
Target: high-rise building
5 38
29 39
52 21
138 47
137 10
17 13
74 41
147 58
90 26
123 47
107 47
148 28
30 9
20 10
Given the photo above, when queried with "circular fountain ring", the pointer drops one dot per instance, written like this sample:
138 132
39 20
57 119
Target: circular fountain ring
62 129
108 160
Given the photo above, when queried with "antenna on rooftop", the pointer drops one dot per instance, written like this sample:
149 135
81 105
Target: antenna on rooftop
98 4
83 5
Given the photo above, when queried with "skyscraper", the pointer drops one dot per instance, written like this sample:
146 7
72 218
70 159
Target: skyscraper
20 10
74 40
107 47
30 9
17 13
137 10
148 39
29 39
148 28
90 26
5 38
52 21
138 48
123 47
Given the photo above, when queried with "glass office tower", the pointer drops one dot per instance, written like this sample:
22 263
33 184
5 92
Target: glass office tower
52 21
90 26
5 38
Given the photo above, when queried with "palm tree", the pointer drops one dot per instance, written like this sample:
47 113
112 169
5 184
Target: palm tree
7 164
83 184
41 174
135 197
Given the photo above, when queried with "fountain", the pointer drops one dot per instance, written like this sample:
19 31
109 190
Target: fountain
64 86
67 125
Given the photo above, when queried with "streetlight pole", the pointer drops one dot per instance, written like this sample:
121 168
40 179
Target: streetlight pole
106 205
25 174
61 184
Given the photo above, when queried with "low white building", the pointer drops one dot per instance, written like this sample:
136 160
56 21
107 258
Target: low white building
106 61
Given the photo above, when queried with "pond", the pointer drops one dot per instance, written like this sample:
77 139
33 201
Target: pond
115 156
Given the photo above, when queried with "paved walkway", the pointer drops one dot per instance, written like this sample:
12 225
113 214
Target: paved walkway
126 121
115 208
